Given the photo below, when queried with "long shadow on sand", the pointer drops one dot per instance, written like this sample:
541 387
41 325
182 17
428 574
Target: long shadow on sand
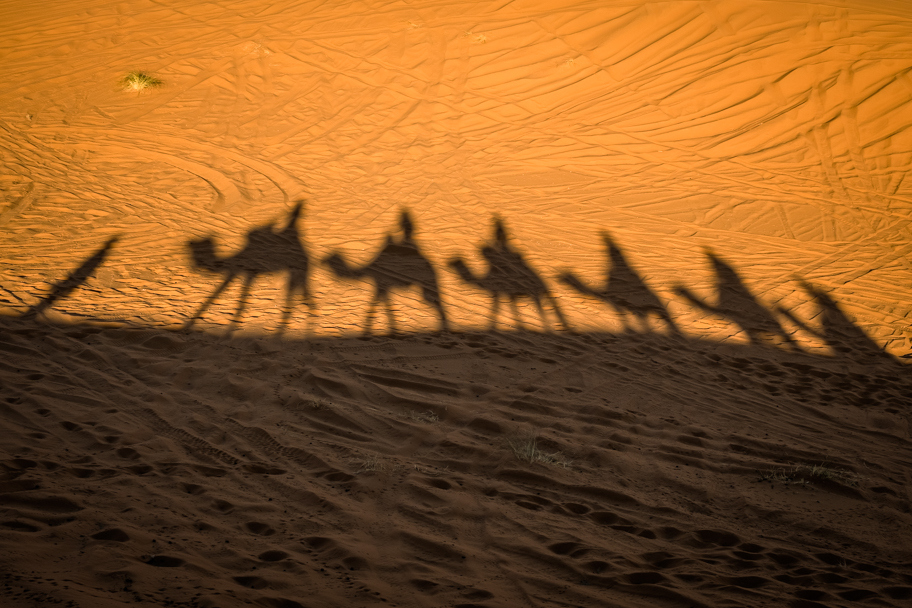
267 250
736 303
509 276
74 280
399 264
624 290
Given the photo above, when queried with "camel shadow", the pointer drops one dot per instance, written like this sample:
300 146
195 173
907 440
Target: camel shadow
839 333
736 303
625 291
398 265
266 251
510 276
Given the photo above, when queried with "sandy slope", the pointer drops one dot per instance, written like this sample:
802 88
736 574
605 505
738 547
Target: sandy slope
700 209
342 472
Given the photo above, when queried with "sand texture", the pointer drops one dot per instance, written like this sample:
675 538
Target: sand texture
456 304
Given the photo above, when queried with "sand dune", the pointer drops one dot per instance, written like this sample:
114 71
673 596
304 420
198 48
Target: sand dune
456 304
173 467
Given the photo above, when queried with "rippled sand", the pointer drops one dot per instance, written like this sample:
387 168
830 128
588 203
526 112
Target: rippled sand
280 331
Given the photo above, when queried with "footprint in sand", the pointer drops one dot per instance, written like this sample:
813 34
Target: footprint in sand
112 534
259 528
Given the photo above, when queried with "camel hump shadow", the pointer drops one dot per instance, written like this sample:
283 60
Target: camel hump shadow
399 264
624 290
266 250
509 276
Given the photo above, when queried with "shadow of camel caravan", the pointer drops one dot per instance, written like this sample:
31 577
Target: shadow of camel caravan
267 250
624 290
401 264
509 276
398 265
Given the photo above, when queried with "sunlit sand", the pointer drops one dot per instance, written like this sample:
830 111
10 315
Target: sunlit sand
469 304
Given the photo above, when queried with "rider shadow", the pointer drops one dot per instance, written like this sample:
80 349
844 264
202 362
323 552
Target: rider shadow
838 332
510 276
736 303
399 264
74 281
266 251
625 291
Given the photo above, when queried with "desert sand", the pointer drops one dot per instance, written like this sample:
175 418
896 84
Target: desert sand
467 304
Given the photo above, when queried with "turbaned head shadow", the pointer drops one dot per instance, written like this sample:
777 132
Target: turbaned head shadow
624 290
509 276
735 302
267 250
399 264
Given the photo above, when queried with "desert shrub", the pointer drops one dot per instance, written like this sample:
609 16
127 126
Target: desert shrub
139 81
525 447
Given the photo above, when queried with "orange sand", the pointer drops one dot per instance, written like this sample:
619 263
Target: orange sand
275 332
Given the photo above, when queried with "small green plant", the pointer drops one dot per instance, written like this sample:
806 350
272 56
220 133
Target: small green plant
375 464
525 447
781 476
427 417
803 474
371 463
318 404
139 81
817 471
433 472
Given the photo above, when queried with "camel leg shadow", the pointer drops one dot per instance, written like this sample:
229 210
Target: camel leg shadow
380 298
242 305
557 312
495 310
517 315
209 301
296 284
432 297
